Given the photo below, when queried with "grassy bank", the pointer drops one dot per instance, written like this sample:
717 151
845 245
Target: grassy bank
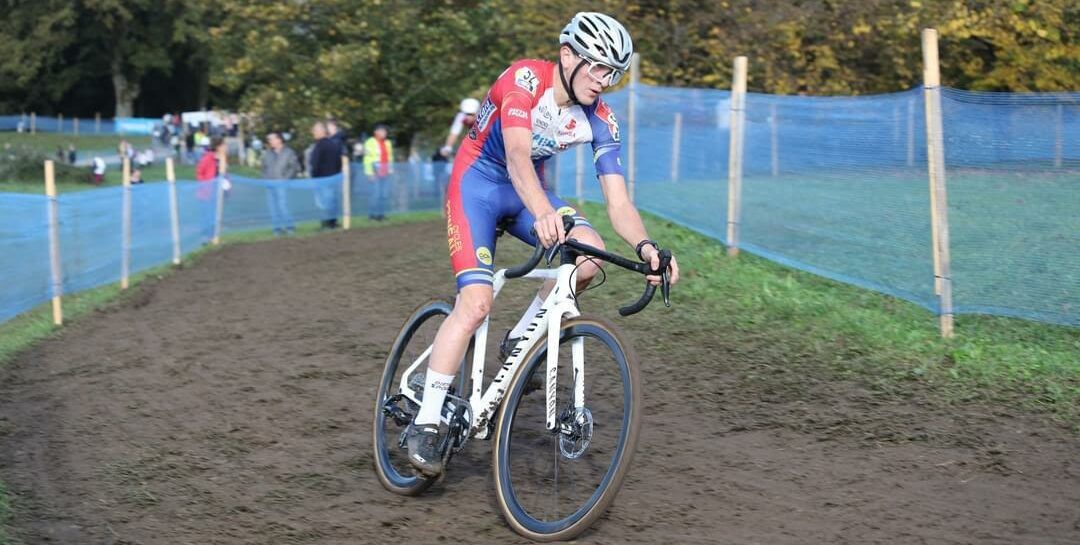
852 332
48 142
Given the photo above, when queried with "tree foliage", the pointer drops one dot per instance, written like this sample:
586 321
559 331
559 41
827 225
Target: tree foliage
409 62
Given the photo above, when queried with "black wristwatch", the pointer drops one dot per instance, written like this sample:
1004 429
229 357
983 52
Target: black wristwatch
640 245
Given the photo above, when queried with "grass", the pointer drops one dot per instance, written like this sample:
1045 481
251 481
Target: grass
5 515
48 142
857 333
114 176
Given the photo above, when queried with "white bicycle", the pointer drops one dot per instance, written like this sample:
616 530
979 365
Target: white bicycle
558 458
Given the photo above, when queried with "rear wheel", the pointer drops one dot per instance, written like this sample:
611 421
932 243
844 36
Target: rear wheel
393 412
552 485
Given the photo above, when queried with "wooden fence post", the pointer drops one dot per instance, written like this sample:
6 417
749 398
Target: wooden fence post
125 227
174 211
97 122
558 163
56 278
59 123
735 150
939 208
676 143
631 140
911 132
219 205
33 122
774 140
346 192
579 176
75 120
1057 135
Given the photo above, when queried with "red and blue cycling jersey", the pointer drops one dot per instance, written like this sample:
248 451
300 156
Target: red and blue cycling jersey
480 195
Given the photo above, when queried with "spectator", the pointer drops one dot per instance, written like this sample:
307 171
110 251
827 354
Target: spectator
335 133
378 166
61 157
279 162
136 177
206 174
99 170
326 161
73 155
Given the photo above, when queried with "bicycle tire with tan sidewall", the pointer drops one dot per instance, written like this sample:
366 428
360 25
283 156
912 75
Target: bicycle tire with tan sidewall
576 523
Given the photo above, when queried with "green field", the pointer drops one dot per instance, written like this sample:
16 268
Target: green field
47 143
1013 235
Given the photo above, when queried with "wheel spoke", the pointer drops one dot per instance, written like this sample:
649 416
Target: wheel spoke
589 447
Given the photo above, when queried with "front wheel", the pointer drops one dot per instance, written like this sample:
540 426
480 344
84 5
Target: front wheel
552 485
393 413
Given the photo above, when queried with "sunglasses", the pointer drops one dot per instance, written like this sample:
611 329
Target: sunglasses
602 73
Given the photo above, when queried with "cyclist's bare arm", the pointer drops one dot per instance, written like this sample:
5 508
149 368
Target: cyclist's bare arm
627 222
518 142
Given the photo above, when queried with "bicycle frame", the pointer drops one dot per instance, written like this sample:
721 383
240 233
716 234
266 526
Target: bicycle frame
482 404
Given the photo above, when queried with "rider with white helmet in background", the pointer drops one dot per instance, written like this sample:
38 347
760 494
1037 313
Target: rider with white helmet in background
534 110
464 119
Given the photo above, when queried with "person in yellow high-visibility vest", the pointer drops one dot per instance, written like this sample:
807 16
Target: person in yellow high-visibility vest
378 167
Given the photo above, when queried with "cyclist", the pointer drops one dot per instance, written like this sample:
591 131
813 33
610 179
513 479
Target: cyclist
533 110
464 119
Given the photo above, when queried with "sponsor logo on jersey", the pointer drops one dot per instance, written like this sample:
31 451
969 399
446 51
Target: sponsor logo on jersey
517 112
542 146
484 255
603 111
453 232
568 129
526 79
482 118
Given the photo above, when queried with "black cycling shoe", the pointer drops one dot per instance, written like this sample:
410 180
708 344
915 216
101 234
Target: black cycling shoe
423 441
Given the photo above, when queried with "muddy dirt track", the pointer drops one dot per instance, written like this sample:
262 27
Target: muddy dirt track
231 403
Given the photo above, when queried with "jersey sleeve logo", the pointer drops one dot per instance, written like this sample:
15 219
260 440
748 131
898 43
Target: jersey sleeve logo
526 79
517 112
603 111
482 117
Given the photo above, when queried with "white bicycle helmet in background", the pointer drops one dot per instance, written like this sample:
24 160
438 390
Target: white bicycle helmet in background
599 38
470 106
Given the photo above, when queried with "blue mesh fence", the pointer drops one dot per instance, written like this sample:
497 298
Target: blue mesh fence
90 224
55 124
838 186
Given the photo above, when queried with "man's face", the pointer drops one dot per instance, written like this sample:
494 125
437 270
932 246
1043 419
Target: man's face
331 129
275 142
318 131
590 80
380 133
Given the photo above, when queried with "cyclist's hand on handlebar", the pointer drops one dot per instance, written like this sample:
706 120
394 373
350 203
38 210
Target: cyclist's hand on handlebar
549 228
651 255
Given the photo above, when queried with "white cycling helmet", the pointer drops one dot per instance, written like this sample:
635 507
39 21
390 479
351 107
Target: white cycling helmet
600 38
470 106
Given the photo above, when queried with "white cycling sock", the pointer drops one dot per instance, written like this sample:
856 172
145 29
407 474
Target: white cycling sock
526 319
436 385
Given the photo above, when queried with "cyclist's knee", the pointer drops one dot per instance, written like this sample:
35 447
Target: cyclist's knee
588 268
473 305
